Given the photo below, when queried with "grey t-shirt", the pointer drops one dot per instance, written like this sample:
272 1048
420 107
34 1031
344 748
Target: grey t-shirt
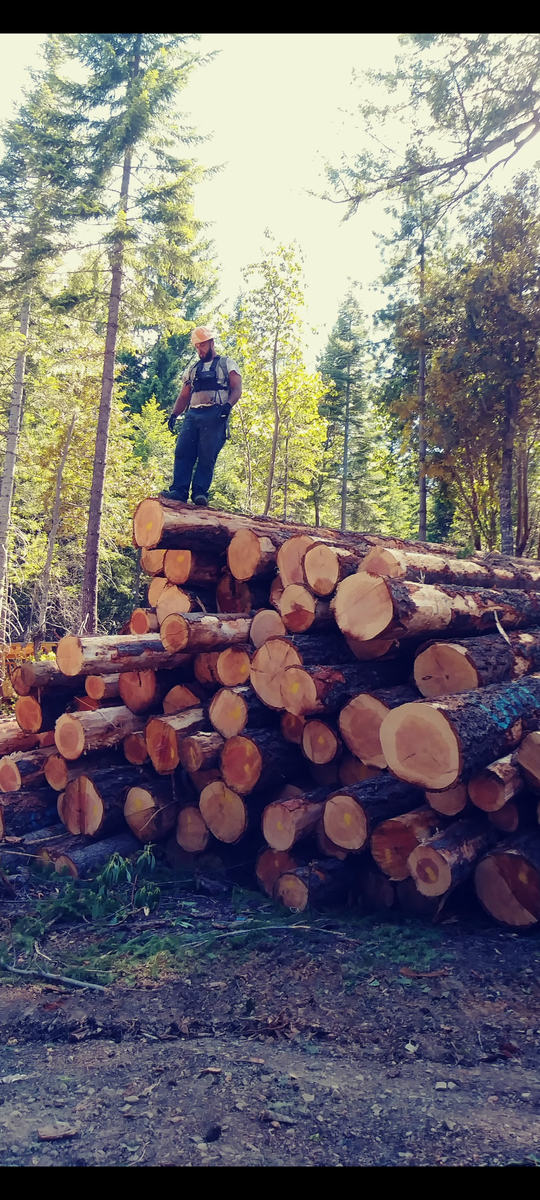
205 399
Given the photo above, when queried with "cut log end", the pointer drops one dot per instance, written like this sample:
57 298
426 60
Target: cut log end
69 739
508 887
69 655
56 772
143 620
363 606
444 669
345 822
243 554
270 865
291 891
148 524
421 747
393 841
228 713
223 811
292 728
82 807
359 723
28 714
297 608
321 569
383 561
192 833
10 776
147 817
430 871
319 742
298 692
241 764
267 664
290 559
135 748
233 666
174 633
138 690
265 624
450 802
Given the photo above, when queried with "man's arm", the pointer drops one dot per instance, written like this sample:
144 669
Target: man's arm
182 401
235 383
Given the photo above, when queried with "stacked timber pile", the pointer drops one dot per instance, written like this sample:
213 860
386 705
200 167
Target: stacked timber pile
356 715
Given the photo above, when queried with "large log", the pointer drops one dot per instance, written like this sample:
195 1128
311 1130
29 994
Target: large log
231 710
322 649
496 784
324 566
77 733
31 676
24 769
250 555
191 566
164 736
12 737
152 561
151 809
320 742
507 882
201 751
367 606
172 600
309 690
233 666
436 568
104 655
326 848
192 832
266 666
441 668
94 802
263 756
235 596
80 857
59 772
203 631
144 620
285 821
361 719
36 716
352 813
265 624
393 841
436 742
300 610
224 811
140 690
183 696
319 884
102 687
449 857
23 811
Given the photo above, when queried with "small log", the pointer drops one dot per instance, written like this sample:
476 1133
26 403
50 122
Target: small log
135 748
285 821
479 571
250 556
164 736
325 566
320 742
270 865
156 589
34 676
442 668
290 558
528 760
225 812
144 620
102 687
192 833
23 811
58 772
326 848
273 657
94 802
496 784
507 882
203 631
201 751
377 892
449 857
292 728
361 719
34 716
277 588
367 606
451 801
233 666
322 649
183 696
393 841
173 600
309 690
201 779
140 690
24 769
321 883
151 809
516 815
104 655
12 738
80 858
266 623
77 733
352 813
352 770
436 742
263 755
204 667
190 566
300 610
152 561
231 710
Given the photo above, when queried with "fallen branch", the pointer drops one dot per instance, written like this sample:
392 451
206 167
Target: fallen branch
273 929
35 974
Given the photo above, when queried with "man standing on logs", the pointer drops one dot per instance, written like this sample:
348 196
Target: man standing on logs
210 389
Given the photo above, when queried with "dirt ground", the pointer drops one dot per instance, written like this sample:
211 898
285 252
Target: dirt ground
307 1042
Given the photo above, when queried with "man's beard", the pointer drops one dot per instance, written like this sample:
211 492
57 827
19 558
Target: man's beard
208 356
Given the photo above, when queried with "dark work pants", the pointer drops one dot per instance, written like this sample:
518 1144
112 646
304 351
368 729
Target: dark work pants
200 440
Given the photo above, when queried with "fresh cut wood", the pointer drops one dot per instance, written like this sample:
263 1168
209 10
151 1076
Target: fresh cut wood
441 668
449 857
507 881
77 733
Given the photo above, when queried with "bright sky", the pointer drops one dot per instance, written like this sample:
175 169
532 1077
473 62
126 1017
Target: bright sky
274 107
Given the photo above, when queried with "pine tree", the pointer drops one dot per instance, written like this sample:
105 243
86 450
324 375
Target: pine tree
343 365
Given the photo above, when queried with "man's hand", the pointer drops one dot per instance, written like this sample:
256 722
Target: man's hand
172 422
225 410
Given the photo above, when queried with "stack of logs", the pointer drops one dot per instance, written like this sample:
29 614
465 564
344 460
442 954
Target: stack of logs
356 716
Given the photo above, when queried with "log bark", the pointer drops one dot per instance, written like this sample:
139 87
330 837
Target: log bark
271 864
435 743
368 606
321 649
507 882
104 655
265 624
12 738
31 676
156 589
102 687
164 736
361 719
231 710
449 802
516 815
77 733
449 857
456 572
309 690
24 769
351 814
152 561
321 883
320 743
393 841
203 631
151 809
23 811
285 822
528 760
94 802
192 832
441 668
262 757
496 784
34 716
201 751
266 666
143 621
325 566
300 611
80 857
135 748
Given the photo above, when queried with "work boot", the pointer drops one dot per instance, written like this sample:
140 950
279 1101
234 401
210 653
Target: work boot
201 501
172 494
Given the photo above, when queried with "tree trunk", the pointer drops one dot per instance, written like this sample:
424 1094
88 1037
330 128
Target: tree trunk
422 481
55 523
449 857
285 822
164 736
442 668
436 743
94 802
10 460
262 757
511 409
24 769
321 883
351 814
81 858
523 521
203 631
121 652
77 733
201 751
507 882
393 841
361 719
275 434
231 710
480 571
309 690
345 468
151 809
496 784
